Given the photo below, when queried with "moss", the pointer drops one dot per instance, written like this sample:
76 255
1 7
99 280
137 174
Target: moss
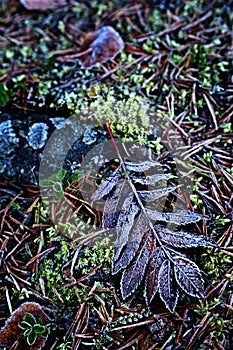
99 253
215 263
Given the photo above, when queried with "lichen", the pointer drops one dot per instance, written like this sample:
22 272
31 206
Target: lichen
37 135
8 139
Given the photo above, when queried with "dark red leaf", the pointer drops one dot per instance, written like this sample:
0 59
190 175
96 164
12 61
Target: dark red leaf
188 275
134 273
181 217
167 285
184 239
42 4
150 196
12 332
152 273
100 46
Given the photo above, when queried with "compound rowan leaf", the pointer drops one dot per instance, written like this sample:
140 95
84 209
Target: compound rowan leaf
168 290
143 248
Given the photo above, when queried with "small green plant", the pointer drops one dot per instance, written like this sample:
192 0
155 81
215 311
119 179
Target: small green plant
218 333
67 345
206 306
195 198
57 181
5 95
216 263
33 329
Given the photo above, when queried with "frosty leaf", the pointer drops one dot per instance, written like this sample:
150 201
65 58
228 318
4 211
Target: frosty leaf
124 223
143 249
126 257
180 217
113 204
152 273
42 4
183 239
126 218
129 252
140 167
100 46
109 219
150 196
110 213
151 179
106 186
167 285
134 273
188 275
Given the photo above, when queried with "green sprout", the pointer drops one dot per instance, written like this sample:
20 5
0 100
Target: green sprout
55 181
33 329
219 323
5 95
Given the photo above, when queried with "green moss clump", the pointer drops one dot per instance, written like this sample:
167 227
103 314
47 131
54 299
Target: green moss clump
129 117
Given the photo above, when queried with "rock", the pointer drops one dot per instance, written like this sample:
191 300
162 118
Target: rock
33 143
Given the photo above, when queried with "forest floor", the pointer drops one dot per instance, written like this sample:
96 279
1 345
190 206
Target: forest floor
56 270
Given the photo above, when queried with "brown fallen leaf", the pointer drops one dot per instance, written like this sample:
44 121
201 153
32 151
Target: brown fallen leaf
100 46
11 334
42 4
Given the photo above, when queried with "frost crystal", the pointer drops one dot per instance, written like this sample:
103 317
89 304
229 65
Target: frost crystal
37 135
8 139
